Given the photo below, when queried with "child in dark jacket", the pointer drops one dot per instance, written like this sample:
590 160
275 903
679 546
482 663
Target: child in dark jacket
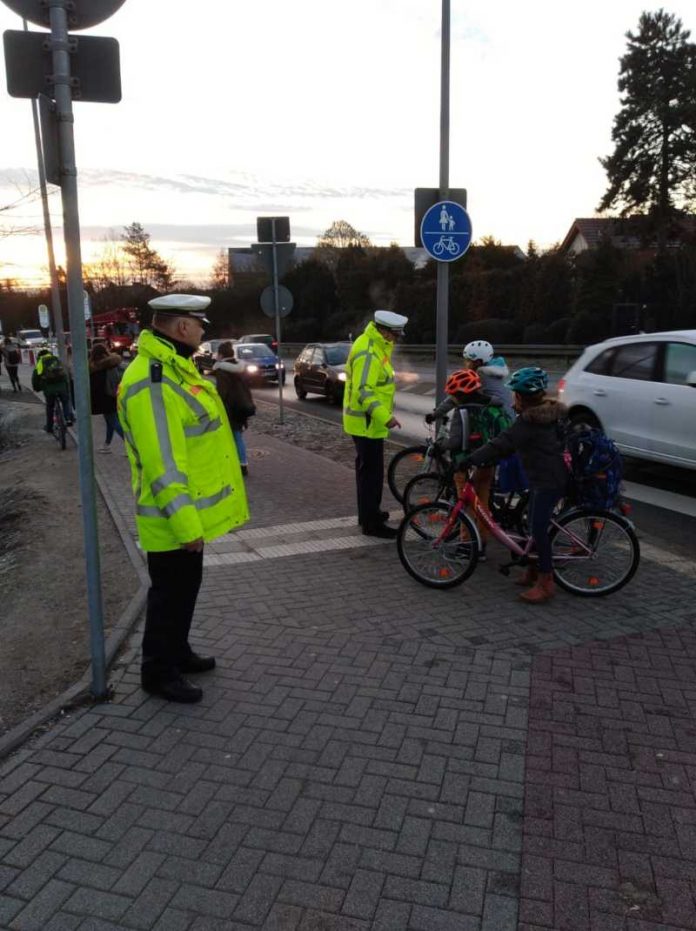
467 402
536 436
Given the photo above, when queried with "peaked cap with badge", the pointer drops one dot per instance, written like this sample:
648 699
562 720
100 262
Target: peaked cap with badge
390 320
181 305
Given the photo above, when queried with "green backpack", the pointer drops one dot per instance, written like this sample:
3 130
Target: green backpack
487 423
52 371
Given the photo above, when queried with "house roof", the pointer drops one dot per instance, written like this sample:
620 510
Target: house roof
624 232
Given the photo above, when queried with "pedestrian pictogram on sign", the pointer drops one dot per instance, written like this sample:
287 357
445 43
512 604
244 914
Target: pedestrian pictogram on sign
446 231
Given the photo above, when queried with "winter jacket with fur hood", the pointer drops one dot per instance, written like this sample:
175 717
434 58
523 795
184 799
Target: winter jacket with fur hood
104 378
537 436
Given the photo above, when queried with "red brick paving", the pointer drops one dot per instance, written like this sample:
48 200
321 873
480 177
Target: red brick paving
610 788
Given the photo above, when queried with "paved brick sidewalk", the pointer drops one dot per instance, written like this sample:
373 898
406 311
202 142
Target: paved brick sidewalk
358 760
610 801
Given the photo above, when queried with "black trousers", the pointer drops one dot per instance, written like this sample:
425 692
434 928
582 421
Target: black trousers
175 578
369 478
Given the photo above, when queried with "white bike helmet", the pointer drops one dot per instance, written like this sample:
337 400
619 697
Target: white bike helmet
478 351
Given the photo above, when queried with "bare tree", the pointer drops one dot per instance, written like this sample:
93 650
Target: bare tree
220 274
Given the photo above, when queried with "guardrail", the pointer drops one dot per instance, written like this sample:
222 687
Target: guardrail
532 351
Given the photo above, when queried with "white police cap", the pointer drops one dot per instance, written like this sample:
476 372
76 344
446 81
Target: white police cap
181 305
390 320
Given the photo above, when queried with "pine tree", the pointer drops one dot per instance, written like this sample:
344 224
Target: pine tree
651 170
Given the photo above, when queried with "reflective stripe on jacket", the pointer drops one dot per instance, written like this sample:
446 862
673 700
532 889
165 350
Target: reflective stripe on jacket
184 465
368 399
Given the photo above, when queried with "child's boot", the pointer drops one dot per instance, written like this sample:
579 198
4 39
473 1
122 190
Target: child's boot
542 591
531 574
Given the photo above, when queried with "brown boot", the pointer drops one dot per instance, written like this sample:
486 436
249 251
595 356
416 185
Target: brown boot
542 591
531 574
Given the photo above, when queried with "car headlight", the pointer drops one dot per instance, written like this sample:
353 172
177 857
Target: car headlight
342 376
252 368
280 365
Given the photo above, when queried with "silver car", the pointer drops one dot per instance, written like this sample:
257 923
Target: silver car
642 391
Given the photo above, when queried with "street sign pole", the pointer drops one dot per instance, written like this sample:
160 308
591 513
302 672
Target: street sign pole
442 303
276 304
57 311
71 228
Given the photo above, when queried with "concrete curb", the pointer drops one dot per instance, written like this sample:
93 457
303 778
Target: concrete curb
80 693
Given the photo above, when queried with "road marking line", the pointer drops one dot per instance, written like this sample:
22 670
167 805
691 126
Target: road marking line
661 499
291 549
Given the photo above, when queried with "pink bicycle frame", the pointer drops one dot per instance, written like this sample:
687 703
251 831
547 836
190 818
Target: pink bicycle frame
468 498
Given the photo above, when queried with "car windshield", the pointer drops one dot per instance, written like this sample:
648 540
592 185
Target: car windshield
251 351
31 334
337 355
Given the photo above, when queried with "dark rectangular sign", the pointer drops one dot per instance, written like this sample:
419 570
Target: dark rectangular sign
95 66
264 229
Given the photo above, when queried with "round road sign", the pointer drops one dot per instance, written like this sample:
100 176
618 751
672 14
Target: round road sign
446 231
81 13
285 301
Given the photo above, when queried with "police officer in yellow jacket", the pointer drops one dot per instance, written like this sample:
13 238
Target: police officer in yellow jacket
368 405
187 483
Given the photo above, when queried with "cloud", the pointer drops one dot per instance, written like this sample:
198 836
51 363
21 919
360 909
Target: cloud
252 189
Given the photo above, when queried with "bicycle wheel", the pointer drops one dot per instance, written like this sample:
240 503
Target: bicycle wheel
594 552
406 464
437 563
426 488
59 429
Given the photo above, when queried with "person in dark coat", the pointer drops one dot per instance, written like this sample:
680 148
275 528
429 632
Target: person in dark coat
105 371
537 435
12 356
236 397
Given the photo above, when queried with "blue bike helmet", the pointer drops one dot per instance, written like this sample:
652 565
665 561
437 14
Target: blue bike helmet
529 380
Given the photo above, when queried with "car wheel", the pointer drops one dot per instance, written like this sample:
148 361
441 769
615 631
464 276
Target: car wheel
333 395
299 390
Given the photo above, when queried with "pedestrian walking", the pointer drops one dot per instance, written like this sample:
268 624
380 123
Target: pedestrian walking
105 373
50 377
236 397
368 414
12 356
187 481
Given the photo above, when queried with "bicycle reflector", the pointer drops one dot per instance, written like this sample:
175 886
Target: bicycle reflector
593 581
598 525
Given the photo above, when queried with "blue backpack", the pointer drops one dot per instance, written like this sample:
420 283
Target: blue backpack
596 468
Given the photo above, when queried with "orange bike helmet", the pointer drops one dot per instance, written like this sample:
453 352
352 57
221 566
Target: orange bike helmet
465 381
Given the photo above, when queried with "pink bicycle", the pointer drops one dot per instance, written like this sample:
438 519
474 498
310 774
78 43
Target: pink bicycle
595 552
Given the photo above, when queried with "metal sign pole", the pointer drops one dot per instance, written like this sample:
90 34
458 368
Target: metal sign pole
276 304
57 311
441 319
71 227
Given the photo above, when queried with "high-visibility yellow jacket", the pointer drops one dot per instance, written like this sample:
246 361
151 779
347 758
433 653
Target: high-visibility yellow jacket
185 469
368 398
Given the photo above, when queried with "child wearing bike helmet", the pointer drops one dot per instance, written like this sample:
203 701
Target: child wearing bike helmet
473 410
536 436
480 356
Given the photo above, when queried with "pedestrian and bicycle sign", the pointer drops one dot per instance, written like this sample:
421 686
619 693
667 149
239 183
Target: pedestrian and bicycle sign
446 231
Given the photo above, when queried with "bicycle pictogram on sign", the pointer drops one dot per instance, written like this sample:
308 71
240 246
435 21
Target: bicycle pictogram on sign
446 231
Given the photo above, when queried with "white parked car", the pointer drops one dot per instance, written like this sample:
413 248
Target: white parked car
642 391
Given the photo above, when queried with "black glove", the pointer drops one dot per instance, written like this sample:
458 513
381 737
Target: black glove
430 418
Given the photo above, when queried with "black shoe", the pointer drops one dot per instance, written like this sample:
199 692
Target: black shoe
196 663
384 516
178 690
381 530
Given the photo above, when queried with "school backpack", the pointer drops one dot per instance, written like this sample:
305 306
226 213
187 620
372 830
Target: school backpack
52 371
486 424
14 356
596 467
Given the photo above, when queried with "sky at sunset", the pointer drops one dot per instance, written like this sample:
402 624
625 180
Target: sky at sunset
325 111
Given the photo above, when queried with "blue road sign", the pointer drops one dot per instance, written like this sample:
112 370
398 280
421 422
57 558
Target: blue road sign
446 231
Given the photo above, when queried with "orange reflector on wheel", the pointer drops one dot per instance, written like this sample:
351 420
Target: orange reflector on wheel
593 581
435 519
445 573
417 457
597 524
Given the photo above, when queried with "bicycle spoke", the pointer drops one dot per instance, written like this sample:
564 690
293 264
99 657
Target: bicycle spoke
435 549
594 554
